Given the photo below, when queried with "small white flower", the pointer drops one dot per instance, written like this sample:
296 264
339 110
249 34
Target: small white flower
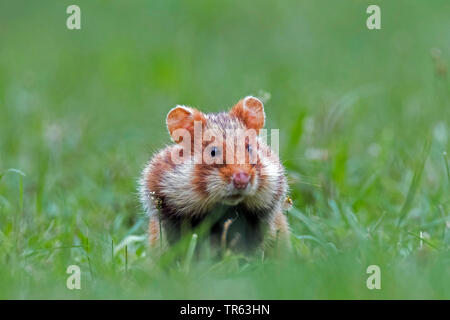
374 149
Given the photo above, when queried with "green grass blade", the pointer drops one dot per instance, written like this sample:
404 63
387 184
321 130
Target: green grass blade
190 252
415 183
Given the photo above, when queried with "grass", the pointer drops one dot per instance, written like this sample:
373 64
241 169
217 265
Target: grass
364 131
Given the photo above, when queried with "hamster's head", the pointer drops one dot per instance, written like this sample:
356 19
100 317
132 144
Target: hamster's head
225 150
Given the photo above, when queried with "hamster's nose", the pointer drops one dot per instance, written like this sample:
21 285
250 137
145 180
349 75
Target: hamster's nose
240 180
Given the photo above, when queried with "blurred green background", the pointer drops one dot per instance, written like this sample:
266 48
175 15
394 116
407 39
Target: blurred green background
364 126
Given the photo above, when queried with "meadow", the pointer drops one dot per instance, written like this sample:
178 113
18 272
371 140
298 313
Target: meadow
364 135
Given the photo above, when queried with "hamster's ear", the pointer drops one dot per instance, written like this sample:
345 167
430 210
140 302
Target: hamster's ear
182 117
251 111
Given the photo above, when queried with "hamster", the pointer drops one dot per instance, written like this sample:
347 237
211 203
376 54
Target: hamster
241 193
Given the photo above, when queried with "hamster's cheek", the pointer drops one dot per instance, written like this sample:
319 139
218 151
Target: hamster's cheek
216 184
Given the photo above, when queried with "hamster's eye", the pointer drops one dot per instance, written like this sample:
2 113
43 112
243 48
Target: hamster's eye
214 151
249 148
